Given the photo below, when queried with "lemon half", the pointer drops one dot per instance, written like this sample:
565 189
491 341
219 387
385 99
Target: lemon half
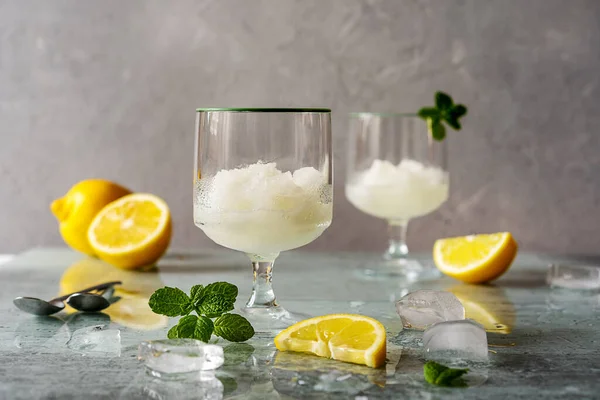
131 232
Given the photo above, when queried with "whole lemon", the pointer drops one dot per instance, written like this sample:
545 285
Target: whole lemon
76 209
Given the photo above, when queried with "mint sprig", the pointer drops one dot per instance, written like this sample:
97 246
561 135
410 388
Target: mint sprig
440 375
444 111
211 301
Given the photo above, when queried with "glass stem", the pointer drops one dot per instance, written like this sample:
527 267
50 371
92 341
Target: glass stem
263 295
397 233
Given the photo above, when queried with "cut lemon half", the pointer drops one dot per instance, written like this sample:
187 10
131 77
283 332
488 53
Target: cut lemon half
475 258
131 232
345 337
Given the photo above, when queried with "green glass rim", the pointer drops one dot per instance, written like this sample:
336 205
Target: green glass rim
382 114
266 110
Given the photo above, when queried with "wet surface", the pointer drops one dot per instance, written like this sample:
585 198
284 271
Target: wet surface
543 342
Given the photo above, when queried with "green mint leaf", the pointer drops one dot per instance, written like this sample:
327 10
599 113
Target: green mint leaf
214 305
443 101
196 293
431 371
173 333
458 382
429 112
171 302
225 290
438 131
449 375
438 374
458 111
454 124
194 327
452 116
233 327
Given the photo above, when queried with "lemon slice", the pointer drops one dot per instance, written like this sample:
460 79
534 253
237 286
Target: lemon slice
475 258
344 337
131 232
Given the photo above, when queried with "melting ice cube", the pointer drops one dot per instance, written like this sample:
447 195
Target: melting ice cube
456 340
423 308
574 277
96 341
179 356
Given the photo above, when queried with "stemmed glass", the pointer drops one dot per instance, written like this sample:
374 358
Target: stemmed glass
263 185
396 172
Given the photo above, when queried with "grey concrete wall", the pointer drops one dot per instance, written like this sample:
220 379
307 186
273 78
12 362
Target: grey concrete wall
108 88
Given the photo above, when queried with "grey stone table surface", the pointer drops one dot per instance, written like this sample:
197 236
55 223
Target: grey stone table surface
544 343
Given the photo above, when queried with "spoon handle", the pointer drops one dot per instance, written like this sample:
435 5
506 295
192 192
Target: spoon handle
101 286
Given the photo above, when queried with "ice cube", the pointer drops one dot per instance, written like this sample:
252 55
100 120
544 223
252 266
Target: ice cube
96 341
179 356
574 277
456 340
423 308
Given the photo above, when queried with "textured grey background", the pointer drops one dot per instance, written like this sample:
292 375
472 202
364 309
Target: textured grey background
108 88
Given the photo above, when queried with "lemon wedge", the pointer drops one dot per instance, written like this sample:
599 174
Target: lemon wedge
131 232
475 258
344 337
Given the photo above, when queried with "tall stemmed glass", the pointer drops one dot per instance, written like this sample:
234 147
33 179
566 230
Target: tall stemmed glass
263 185
396 172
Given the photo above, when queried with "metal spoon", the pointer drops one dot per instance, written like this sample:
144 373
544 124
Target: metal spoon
33 305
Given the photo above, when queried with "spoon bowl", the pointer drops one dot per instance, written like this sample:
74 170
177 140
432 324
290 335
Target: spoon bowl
88 302
36 306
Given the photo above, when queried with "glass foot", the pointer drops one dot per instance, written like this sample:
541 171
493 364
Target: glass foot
406 269
271 319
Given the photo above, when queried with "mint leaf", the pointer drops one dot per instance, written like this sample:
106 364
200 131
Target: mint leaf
429 112
195 293
431 370
458 111
170 302
452 117
449 375
173 333
438 131
454 123
214 305
193 327
225 290
443 101
233 327
438 374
